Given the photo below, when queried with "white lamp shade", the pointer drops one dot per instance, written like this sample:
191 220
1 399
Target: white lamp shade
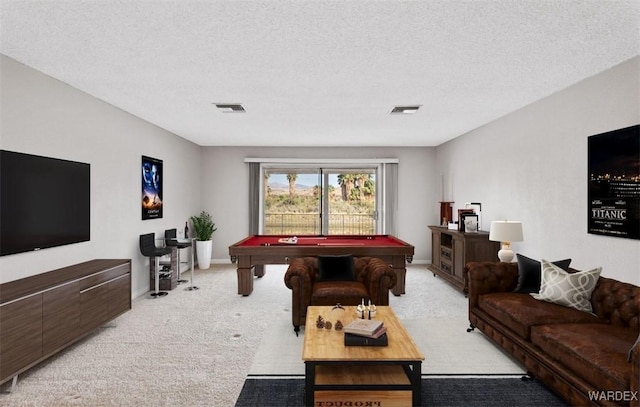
506 231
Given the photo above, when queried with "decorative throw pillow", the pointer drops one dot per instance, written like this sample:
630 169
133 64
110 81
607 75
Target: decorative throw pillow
568 289
336 268
529 272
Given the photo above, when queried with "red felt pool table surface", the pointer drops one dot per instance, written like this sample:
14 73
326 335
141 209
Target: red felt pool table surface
253 252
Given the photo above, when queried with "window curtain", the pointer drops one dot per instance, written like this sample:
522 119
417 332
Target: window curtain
390 197
254 198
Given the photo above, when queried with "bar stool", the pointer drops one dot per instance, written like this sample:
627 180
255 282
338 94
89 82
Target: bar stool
193 258
171 240
148 248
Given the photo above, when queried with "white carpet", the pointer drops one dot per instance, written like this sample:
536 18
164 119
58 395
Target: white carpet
433 312
195 348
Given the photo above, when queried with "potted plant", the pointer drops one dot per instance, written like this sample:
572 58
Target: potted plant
203 228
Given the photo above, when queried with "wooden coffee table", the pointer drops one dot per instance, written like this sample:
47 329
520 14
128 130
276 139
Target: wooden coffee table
362 375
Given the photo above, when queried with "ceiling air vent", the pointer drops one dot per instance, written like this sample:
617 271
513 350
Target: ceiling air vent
405 109
230 107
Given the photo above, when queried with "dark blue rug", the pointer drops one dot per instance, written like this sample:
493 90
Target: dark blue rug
449 392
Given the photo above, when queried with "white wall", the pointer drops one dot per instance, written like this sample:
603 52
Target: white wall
43 116
226 190
532 166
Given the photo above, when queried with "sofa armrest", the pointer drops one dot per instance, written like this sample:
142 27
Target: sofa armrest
634 359
377 276
490 277
299 277
302 272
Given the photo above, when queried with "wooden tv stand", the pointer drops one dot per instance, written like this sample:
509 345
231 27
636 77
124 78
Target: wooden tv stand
43 314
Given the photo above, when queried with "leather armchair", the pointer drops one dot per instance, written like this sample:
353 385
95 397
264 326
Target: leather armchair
373 280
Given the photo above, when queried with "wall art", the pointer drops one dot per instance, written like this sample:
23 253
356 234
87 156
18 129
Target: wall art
614 183
151 188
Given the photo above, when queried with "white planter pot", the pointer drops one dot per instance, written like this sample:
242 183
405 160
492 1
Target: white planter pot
203 252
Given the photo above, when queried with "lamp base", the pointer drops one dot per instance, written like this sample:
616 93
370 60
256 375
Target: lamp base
505 254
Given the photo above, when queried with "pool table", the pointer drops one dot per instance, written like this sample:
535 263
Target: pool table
253 252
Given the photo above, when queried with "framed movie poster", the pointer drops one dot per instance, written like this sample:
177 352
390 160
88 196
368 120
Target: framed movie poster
614 183
151 188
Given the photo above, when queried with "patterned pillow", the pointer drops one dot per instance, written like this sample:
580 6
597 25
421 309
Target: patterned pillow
568 289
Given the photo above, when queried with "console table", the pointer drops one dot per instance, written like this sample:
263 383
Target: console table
45 313
451 250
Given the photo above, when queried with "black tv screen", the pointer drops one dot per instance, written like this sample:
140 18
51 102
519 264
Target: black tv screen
44 202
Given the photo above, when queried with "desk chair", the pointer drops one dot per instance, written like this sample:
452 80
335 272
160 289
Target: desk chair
171 240
148 248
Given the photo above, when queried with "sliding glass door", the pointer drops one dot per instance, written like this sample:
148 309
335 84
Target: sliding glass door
292 201
312 201
350 204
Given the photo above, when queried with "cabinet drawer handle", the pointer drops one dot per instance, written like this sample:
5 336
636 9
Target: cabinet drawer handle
103 283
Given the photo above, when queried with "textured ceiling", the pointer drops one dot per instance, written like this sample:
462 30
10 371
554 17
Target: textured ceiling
320 73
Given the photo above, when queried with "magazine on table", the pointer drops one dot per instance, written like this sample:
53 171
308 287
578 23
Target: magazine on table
366 327
359 340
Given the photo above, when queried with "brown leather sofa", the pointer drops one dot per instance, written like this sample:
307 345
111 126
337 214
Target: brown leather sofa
373 280
579 355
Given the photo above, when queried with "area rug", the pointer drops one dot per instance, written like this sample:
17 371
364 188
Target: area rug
447 346
434 313
449 392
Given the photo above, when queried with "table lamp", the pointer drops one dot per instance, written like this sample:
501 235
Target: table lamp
506 231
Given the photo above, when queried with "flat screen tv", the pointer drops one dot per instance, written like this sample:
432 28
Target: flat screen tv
44 202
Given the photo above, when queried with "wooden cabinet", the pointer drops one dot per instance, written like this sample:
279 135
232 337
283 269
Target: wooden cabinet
45 313
451 250
60 316
21 335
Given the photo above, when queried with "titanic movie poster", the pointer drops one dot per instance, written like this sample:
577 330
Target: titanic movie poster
151 188
614 183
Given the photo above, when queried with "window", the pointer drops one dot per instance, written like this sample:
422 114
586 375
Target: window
319 201
341 197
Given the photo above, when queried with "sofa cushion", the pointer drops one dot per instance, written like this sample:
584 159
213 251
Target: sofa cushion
568 289
595 352
530 271
519 312
343 292
336 268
